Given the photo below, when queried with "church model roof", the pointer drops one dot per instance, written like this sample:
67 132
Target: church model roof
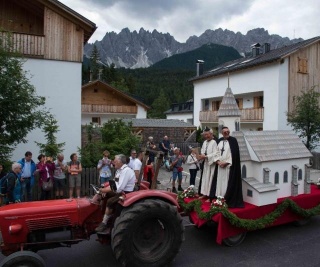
264 146
229 106
260 187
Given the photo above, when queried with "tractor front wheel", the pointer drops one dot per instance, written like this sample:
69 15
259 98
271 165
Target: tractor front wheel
149 233
23 259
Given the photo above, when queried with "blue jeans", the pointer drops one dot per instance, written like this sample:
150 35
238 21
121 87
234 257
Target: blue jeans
26 190
104 180
175 175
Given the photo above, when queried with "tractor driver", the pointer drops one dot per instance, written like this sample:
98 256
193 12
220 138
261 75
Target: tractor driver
125 181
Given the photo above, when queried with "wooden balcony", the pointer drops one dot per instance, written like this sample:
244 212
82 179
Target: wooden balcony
25 44
90 108
247 115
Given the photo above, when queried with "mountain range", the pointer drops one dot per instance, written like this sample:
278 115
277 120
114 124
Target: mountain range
144 48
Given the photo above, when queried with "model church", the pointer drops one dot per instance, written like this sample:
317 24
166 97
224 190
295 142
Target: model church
274 164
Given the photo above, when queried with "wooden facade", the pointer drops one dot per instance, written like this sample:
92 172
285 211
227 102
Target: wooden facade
100 98
304 71
247 115
45 29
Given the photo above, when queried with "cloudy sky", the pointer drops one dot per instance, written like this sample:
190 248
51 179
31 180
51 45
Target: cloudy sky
184 18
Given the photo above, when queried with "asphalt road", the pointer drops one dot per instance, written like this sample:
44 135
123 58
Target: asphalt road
284 245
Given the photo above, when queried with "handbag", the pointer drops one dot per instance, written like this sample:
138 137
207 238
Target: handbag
197 166
47 185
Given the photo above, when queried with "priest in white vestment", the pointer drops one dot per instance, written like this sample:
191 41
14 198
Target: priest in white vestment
209 155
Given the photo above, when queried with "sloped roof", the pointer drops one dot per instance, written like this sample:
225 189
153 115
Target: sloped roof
244 153
176 108
161 123
124 94
229 106
249 62
271 145
260 187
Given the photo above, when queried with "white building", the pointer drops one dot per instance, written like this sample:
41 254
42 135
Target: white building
264 85
51 37
181 111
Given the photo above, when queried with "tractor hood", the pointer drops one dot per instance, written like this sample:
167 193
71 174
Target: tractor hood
47 214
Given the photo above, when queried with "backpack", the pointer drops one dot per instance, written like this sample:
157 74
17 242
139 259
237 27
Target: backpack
16 190
4 185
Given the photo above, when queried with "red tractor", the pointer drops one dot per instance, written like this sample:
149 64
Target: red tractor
147 229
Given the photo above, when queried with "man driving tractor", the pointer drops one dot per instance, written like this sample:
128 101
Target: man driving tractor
124 181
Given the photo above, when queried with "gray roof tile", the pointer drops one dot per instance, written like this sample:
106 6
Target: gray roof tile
163 123
260 187
244 63
272 145
229 106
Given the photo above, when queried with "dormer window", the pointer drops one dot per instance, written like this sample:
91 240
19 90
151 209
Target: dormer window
302 65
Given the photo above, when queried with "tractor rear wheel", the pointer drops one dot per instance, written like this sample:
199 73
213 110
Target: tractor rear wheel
23 259
149 233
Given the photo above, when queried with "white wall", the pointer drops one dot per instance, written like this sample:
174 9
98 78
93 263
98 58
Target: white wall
260 79
280 166
141 113
60 83
186 117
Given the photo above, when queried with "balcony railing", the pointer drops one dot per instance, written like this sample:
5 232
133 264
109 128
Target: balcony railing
90 108
247 114
25 44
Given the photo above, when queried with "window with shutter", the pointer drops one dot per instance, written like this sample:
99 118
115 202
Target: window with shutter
302 65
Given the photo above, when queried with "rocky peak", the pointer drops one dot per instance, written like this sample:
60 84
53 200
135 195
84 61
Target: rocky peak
144 48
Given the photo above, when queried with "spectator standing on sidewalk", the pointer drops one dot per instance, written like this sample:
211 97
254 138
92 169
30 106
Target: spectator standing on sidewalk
193 165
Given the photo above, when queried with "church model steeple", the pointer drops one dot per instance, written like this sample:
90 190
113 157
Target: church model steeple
229 113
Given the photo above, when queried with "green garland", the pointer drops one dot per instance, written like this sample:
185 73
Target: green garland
249 224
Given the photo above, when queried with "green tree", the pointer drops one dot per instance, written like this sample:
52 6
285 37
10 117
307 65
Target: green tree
95 62
116 137
21 109
305 118
159 106
51 148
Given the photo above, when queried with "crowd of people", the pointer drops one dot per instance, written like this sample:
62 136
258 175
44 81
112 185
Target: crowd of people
52 174
218 160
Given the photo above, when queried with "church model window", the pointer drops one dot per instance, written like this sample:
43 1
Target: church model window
285 177
244 171
300 174
249 193
276 178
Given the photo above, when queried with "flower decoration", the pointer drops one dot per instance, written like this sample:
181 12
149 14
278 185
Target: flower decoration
219 202
189 192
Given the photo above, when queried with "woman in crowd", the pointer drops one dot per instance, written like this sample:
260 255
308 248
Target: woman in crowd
45 168
104 167
74 170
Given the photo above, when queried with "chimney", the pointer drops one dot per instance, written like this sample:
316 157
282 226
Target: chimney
90 80
199 67
266 48
255 49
